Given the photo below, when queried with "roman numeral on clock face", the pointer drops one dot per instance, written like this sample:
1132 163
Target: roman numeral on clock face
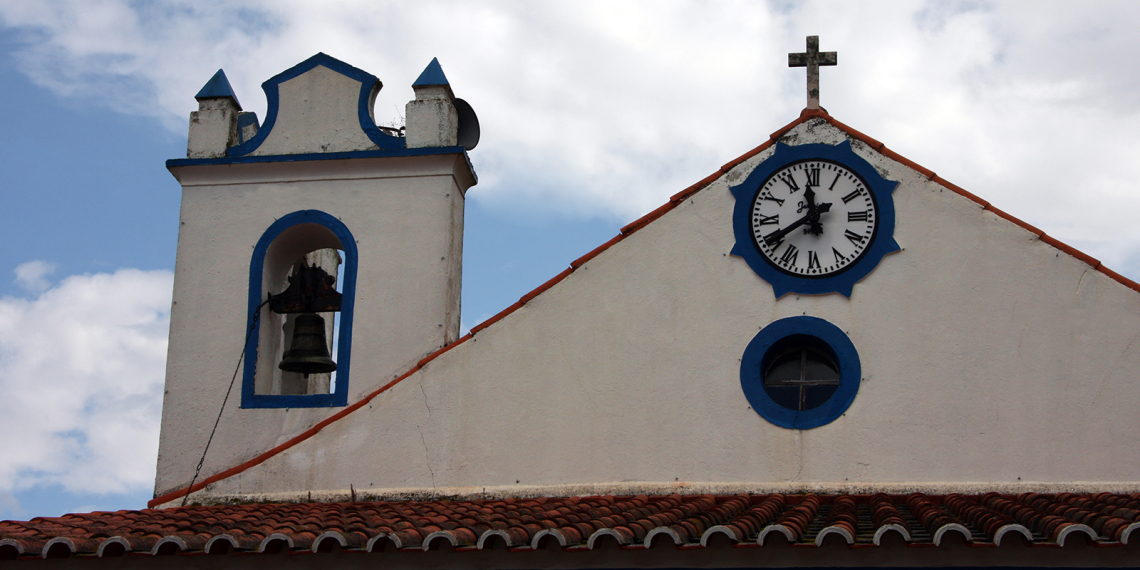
839 257
812 177
791 182
857 216
855 238
853 195
772 198
790 255
763 220
813 260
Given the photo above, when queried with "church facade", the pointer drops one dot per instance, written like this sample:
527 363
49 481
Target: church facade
822 354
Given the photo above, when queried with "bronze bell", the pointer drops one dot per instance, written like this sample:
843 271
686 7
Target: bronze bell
309 351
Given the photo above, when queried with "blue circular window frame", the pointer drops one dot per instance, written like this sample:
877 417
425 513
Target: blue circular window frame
752 372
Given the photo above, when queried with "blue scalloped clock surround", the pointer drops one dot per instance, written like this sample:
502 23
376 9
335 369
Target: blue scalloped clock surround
844 281
752 380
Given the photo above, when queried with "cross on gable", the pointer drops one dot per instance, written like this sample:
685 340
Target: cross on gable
812 59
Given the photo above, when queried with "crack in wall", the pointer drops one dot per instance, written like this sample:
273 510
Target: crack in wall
427 459
799 454
427 454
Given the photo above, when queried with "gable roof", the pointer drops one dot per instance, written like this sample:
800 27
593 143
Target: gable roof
625 232
687 522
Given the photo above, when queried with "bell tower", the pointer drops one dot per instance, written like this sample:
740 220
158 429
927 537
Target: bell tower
321 249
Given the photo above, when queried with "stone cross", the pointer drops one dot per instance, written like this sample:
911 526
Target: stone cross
812 59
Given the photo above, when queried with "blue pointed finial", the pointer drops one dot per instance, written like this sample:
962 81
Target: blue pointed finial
217 87
432 75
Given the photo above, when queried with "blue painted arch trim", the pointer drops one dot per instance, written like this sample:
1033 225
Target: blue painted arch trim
843 282
752 372
339 397
369 84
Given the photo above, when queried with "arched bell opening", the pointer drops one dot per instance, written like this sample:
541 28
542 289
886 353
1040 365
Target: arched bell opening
302 283
303 336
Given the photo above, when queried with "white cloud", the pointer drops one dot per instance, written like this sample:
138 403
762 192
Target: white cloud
605 109
30 275
81 376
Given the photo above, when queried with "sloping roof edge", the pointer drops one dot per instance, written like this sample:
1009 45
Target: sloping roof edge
626 231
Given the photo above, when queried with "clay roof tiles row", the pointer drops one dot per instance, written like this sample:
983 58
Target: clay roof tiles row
582 523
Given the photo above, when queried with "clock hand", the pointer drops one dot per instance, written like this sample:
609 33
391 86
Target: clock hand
814 227
813 224
777 236
812 217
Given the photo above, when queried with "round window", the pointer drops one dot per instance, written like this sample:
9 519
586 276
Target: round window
800 372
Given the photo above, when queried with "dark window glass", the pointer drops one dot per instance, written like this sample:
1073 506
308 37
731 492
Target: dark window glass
786 396
801 374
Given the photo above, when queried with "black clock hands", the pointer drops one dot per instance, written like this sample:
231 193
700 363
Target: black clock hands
777 236
814 228
811 218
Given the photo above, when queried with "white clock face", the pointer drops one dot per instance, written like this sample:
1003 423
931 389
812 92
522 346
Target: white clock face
813 218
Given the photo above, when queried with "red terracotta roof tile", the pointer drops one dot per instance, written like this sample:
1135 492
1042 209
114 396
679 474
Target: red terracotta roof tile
409 525
582 523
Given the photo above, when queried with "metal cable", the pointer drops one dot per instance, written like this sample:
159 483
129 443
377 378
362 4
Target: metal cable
198 469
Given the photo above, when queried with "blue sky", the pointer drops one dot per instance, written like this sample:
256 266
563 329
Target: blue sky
592 114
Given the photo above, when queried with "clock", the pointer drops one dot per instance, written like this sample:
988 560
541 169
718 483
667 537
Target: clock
814 219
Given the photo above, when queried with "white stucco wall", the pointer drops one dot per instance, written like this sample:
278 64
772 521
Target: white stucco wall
987 356
407 217
318 112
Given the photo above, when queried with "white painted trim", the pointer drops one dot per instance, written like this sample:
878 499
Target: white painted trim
273 537
951 527
372 541
548 532
728 531
891 527
15 544
1012 528
841 532
210 543
661 488
113 540
662 530
605 532
1065 532
446 534
57 540
1128 532
326 535
181 544
488 534
787 532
